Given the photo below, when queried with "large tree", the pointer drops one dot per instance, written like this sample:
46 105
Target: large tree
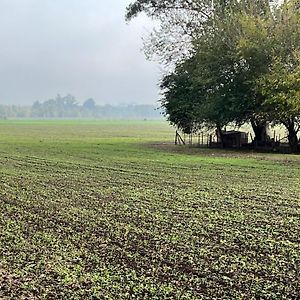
222 73
209 89
281 89
234 61
190 28
280 86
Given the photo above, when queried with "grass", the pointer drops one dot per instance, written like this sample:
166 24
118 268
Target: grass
112 210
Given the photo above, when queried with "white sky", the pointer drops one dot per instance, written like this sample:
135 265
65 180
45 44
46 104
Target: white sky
81 47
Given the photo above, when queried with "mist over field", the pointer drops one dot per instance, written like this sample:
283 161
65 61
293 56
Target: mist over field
67 107
84 48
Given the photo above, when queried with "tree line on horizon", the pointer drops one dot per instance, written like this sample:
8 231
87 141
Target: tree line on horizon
67 107
228 62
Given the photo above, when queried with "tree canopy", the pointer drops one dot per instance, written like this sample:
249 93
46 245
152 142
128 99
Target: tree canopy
239 63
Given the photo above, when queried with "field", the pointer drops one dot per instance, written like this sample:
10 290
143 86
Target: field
111 210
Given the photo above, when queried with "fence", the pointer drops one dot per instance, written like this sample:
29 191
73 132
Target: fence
201 139
210 139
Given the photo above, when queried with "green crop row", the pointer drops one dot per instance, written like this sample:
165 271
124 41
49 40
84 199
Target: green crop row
106 211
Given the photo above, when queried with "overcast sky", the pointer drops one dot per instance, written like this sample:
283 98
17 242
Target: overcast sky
81 47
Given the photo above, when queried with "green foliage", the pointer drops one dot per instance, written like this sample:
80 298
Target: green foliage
229 74
183 98
280 86
281 89
97 210
217 84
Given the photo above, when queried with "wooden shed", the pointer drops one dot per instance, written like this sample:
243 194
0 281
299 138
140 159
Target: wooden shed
234 139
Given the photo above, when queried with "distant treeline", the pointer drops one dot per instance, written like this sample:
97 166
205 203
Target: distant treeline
68 107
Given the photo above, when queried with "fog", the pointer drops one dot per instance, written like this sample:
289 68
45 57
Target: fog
84 48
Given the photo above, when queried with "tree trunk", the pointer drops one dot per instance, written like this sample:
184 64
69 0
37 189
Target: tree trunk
220 134
293 141
260 132
292 136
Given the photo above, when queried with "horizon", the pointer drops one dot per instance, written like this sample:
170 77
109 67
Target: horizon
81 103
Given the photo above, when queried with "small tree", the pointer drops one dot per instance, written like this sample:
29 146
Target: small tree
89 104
